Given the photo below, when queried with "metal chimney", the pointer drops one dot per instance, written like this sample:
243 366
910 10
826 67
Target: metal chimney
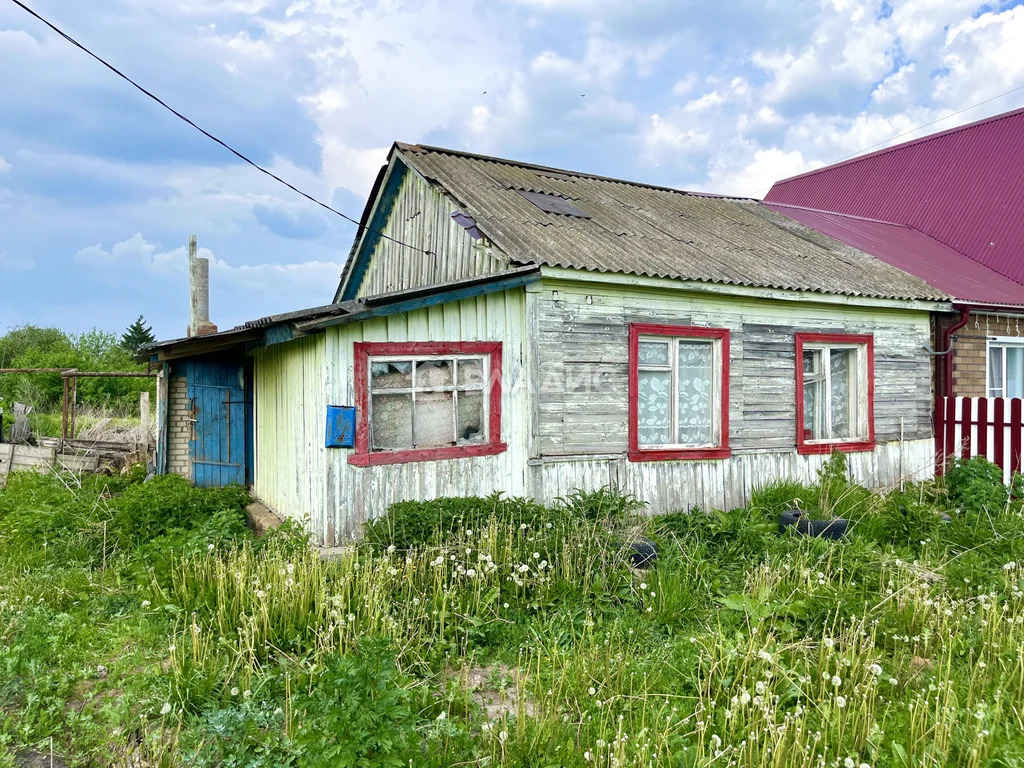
199 292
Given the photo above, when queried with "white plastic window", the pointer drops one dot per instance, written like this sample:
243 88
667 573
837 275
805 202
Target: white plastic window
1005 368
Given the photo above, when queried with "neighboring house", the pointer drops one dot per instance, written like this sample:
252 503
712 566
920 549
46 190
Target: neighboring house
948 208
501 326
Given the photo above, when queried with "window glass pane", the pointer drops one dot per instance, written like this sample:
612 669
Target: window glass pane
392 421
471 372
433 373
654 412
653 353
995 371
471 418
391 375
434 419
1014 372
694 385
843 371
812 361
814 406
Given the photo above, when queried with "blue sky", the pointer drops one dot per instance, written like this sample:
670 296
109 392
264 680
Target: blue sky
100 188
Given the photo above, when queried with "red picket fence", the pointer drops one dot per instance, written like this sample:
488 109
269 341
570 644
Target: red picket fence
980 426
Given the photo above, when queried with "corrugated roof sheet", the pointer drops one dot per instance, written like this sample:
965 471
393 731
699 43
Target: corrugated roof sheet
915 252
654 231
963 187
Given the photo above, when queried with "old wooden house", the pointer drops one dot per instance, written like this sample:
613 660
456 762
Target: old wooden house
501 326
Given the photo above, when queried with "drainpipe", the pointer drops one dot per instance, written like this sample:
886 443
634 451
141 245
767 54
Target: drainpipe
947 343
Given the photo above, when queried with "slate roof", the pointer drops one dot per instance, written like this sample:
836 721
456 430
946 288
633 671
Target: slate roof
653 231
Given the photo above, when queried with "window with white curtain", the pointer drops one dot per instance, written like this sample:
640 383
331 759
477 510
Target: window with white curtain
678 398
1005 367
835 391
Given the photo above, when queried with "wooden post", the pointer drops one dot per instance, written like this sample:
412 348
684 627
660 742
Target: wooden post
64 412
74 404
144 419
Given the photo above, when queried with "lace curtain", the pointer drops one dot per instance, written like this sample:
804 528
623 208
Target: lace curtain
842 367
694 387
693 391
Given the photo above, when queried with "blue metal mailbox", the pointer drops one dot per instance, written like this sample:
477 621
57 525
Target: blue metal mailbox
341 426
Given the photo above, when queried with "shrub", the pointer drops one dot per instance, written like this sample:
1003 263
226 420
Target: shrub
902 520
416 523
94 519
976 486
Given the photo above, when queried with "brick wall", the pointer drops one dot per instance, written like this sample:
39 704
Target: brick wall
970 349
179 428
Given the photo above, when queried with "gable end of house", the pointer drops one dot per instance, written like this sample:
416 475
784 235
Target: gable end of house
415 235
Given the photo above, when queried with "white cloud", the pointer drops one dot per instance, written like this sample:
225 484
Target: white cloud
895 89
129 259
398 71
981 58
4 165
755 177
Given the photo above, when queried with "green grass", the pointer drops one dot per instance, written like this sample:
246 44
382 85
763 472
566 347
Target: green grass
141 622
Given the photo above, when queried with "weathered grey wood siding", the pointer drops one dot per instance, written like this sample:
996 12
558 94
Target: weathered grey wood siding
565 402
579 370
421 217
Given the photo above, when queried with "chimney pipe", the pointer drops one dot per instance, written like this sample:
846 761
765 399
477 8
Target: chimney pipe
199 292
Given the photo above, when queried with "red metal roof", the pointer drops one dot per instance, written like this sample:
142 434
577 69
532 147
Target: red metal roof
915 252
963 188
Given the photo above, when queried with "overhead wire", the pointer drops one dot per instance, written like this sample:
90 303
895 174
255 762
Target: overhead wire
212 137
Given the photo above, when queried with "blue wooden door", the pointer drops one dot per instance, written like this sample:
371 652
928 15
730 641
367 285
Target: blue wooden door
217 444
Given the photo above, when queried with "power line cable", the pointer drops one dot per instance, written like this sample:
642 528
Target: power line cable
210 136
907 133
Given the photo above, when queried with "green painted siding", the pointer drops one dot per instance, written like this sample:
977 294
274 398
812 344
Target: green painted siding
421 217
290 418
297 476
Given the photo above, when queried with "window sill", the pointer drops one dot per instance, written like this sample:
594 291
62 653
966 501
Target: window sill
811 449
429 454
679 454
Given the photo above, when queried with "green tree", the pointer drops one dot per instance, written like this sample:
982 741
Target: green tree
137 334
32 347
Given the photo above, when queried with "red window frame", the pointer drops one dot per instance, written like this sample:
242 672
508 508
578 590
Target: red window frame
635 452
364 350
847 446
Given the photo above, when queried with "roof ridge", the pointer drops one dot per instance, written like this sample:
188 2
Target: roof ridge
902 145
772 203
419 149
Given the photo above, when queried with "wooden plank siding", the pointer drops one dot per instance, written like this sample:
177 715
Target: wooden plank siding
565 402
298 477
581 368
421 217
290 414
